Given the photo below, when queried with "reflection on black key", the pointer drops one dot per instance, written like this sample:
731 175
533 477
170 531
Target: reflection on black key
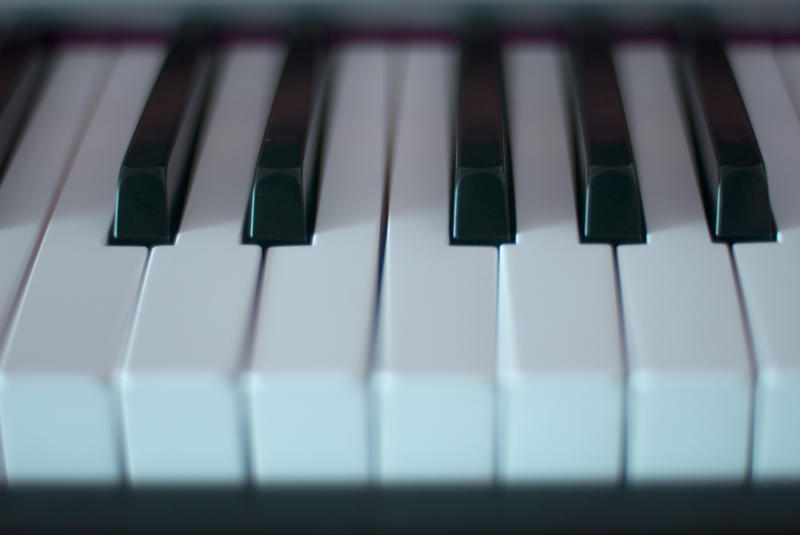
610 206
281 206
734 178
21 65
152 178
482 205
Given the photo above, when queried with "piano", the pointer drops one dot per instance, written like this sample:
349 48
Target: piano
425 271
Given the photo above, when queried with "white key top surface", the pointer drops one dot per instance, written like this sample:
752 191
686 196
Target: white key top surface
561 393
31 184
690 390
58 408
54 130
768 271
181 396
314 327
434 374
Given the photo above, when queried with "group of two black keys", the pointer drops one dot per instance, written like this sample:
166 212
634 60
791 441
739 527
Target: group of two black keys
280 210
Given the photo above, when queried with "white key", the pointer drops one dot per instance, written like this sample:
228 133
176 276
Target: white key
690 386
31 183
181 398
313 330
57 402
768 271
434 376
559 350
55 130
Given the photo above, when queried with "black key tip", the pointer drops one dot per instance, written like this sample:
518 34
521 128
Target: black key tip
277 213
743 209
141 215
612 207
480 211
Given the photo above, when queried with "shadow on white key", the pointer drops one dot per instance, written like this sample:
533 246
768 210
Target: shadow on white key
314 326
180 385
690 384
560 365
434 374
57 404
768 272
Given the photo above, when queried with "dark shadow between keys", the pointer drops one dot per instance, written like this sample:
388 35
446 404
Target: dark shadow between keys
574 148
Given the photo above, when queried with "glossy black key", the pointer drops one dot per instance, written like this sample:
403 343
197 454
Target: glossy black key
22 59
153 175
482 201
283 196
609 203
733 175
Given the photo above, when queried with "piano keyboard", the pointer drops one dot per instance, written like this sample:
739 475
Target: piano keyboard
306 311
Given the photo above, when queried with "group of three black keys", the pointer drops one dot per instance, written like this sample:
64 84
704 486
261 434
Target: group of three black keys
154 174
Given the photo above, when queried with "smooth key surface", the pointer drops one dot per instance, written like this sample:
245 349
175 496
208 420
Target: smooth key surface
734 177
434 375
483 195
22 61
690 383
768 271
609 204
560 368
283 197
314 324
56 396
180 388
152 176
55 128
30 184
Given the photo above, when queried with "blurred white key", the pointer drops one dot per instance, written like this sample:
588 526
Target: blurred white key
30 185
690 387
560 365
181 398
768 272
434 376
57 403
314 327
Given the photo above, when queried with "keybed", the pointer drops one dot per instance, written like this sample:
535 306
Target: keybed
462 262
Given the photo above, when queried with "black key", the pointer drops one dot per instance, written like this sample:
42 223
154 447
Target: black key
733 176
482 201
22 60
609 203
153 176
283 196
